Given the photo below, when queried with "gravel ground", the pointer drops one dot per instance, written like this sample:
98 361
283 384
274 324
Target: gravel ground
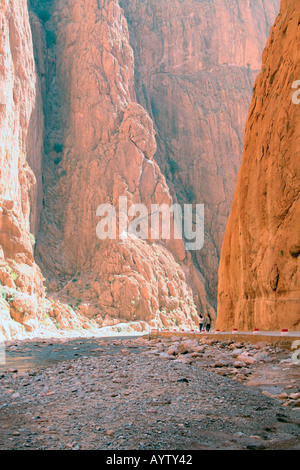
137 394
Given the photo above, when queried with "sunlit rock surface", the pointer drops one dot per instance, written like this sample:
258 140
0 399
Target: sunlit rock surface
259 271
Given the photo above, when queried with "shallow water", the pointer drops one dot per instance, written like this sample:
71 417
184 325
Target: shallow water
29 355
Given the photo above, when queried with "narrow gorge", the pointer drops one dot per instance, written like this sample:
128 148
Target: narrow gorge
100 99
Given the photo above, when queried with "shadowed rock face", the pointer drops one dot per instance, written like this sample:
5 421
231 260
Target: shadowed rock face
100 145
259 283
196 62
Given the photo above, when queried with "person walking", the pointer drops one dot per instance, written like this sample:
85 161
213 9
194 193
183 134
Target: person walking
208 323
201 322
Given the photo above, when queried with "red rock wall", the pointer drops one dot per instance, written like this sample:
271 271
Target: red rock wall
21 147
259 272
196 63
100 145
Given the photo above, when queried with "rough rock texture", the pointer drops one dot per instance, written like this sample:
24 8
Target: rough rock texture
21 143
100 145
259 270
196 63
24 311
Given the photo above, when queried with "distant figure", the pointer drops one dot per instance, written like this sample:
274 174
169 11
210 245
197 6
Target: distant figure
201 322
208 323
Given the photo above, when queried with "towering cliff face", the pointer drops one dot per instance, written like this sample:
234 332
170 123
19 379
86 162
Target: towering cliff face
195 68
259 273
24 310
21 144
99 146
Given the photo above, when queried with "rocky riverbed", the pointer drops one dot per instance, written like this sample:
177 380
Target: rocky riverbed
158 394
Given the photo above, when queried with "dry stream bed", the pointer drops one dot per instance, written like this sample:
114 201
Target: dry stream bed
158 394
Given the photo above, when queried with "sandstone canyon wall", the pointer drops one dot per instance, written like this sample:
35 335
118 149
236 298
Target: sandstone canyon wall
259 273
196 63
21 144
100 145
